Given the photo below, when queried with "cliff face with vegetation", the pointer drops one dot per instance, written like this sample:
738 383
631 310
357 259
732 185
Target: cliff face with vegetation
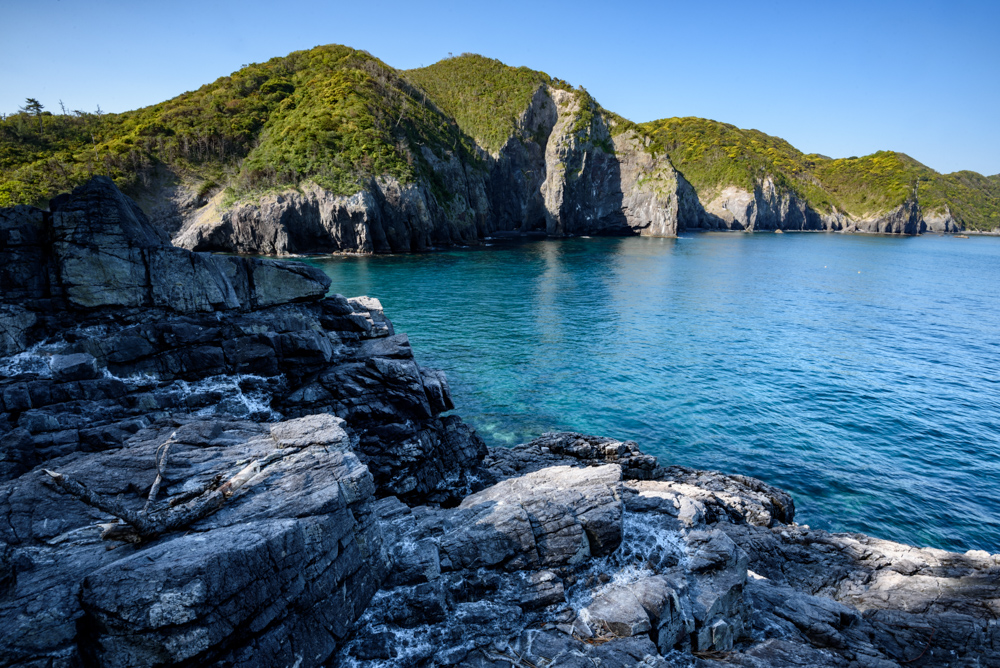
332 150
746 179
206 460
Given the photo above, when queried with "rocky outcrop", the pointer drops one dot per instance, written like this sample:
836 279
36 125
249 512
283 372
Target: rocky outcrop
569 169
123 329
240 470
584 554
195 597
120 350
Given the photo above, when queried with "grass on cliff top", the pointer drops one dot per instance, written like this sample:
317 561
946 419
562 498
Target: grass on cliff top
713 155
485 96
332 114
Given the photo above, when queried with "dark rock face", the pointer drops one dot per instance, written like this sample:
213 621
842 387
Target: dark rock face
206 461
135 329
196 596
116 342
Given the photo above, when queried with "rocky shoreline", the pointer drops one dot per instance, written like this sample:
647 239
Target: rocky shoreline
205 460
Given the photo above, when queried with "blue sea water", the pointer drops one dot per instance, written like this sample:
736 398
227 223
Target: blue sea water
860 373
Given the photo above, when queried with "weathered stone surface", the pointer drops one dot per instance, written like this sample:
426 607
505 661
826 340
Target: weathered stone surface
677 587
96 249
617 611
75 366
547 179
198 594
568 550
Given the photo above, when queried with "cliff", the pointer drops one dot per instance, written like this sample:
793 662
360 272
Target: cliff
206 460
747 180
564 167
333 150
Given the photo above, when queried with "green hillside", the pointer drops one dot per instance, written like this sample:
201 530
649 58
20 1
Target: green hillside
332 114
338 116
483 95
487 97
714 155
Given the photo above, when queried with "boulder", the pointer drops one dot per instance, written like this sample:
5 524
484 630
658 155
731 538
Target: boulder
196 594
75 366
617 611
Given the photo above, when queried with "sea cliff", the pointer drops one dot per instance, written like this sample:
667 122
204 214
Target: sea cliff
332 150
209 460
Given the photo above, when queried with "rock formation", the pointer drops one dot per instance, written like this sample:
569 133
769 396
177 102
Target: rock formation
769 207
205 460
551 177
570 169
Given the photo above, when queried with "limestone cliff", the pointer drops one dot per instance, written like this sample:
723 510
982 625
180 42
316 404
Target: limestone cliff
770 207
569 168
206 461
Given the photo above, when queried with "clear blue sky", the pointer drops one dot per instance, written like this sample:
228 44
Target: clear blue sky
838 78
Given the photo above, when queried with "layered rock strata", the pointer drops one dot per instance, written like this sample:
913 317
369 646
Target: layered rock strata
206 461
770 207
584 554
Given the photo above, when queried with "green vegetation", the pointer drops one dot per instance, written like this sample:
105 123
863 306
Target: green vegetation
485 96
339 117
713 155
332 114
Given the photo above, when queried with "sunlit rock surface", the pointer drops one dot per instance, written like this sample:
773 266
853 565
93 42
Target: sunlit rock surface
207 461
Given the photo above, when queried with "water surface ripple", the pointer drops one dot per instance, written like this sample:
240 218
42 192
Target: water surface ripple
860 373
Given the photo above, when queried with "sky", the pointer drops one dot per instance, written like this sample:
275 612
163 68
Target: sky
838 78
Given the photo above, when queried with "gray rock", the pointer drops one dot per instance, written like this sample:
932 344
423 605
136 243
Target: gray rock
617 611
197 595
76 366
15 323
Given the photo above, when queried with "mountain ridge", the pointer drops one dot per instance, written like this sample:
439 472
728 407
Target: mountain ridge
331 149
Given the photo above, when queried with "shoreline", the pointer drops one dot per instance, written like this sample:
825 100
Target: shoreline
218 464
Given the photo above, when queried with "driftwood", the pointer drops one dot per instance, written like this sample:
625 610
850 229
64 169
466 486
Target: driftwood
134 526
161 465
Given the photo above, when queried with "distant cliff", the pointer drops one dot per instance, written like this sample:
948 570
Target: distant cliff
747 180
332 150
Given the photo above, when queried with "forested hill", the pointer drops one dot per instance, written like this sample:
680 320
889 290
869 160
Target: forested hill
338 118
333 115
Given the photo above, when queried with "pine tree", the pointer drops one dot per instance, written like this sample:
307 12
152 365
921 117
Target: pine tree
33 107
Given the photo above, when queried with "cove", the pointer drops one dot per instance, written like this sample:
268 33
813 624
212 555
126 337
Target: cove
860 373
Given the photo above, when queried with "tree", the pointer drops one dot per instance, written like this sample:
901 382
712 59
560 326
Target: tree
33 107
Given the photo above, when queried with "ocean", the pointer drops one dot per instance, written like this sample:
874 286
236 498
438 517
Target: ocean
860 373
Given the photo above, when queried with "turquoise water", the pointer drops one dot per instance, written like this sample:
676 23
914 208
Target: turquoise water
861 373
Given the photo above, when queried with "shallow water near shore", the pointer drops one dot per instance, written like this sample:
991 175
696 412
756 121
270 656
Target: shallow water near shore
860 373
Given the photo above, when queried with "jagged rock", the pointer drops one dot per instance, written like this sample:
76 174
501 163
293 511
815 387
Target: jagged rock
736 497
485 558
15 321
95 248
555 448
197 595
549 178
573 512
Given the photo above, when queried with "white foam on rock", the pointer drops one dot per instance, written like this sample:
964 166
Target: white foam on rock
35 360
